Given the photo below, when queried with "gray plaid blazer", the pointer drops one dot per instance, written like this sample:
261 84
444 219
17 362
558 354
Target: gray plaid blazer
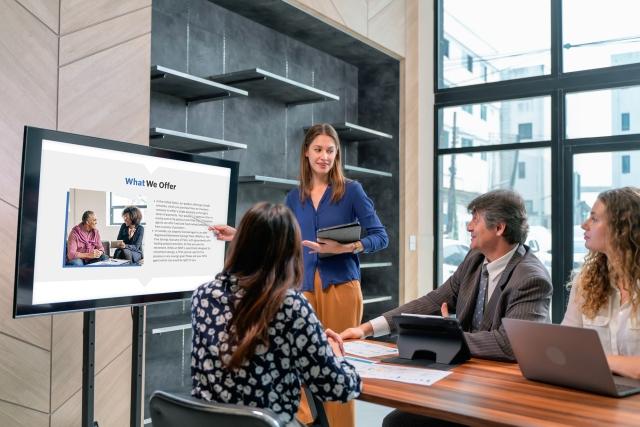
523 292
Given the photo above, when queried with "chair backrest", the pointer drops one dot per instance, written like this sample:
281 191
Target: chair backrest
170 410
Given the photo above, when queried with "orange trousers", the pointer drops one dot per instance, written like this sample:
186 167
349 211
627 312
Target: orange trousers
338 307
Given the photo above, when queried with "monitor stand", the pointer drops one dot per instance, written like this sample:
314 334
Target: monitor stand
88 367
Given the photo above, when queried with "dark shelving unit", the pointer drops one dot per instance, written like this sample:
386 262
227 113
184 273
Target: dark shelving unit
188 87
352 132
269 181
359 172
375 265
189 143
375 299
265 83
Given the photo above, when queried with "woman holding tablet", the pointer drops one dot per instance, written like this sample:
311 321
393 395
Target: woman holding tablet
605 294
255 338
326 198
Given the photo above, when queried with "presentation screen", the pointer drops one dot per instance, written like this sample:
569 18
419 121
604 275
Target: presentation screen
104 223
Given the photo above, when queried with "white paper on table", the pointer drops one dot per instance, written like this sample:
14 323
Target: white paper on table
367 349
420 376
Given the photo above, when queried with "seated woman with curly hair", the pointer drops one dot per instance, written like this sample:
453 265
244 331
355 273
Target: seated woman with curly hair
605 295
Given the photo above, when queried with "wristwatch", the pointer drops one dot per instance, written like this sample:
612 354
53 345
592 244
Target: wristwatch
357 247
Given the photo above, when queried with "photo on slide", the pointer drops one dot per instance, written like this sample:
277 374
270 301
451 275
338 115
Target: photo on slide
103 229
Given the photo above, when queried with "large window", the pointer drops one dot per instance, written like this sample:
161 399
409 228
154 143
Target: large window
557 87
116 203
464 177
493 40
600 34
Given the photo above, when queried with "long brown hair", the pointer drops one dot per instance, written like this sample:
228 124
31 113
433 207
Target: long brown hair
336 176
265 257
598 273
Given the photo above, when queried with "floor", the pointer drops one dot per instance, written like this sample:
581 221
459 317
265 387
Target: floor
369 414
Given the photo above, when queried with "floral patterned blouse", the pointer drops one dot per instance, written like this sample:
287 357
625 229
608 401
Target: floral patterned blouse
298 353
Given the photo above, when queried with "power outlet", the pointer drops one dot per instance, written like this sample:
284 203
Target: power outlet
413 242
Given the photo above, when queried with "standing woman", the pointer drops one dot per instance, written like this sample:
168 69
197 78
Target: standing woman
326 198
605 295
131 233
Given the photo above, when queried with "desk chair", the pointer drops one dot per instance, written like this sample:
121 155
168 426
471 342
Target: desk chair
170 410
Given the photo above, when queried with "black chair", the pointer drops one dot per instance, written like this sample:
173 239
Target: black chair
170 410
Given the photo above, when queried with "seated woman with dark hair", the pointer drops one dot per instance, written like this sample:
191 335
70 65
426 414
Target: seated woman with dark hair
131 233
605 295
256 339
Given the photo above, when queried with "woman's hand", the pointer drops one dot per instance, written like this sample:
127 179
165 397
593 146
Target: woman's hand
223 232
627 366
121 245
336 342
327 246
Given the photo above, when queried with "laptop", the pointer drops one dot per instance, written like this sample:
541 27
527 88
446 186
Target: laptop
565 356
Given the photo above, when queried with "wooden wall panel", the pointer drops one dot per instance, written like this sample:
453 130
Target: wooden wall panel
69 414
18 416
113 334
375 6
417 180
28 58
107 94
46 11
387 27
353 13
66 358
112 391
102 36
34 330
325 8
79 14
24 374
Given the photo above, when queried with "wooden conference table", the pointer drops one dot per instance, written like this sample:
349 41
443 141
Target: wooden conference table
484 393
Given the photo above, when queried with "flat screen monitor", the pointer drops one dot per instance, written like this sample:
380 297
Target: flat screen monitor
103 223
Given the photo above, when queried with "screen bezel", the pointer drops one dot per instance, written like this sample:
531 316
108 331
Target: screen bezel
28 215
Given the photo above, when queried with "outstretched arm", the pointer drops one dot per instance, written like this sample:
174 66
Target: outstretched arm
627 366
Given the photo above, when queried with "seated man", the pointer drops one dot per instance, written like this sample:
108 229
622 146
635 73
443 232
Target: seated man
84 245
499 277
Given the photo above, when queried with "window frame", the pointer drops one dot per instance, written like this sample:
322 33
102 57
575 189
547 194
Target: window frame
556 84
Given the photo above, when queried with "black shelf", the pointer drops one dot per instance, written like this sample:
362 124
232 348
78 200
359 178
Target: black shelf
270 85
375 264
352 132
188 142
169 323
373 299
188 87
356 171
269 181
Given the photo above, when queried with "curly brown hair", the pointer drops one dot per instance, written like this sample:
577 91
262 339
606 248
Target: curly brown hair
598 272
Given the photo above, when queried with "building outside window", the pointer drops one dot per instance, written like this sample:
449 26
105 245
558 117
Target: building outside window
583 130
626 164
521 170
525 131
625 121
